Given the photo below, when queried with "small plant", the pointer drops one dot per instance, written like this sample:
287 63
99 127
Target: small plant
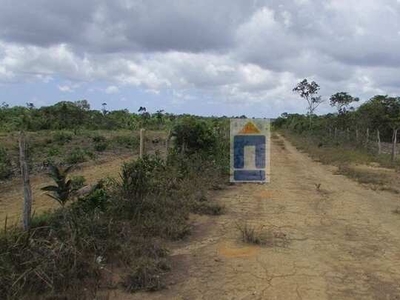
76 156
317 186
62 190
96 199
100 146
260 236
98 139
78 182
53 151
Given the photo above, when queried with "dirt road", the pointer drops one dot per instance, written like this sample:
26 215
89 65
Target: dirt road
343 240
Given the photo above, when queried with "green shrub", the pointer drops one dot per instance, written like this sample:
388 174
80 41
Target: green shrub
193 135
96 199
126 141
62 137
98 139
140 177
90 154
78 182
5 164
53 151
100 146
76 156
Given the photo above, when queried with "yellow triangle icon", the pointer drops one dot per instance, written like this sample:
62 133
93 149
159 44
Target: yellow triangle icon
249 128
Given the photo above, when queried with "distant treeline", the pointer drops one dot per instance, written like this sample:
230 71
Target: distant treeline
78 115
74 115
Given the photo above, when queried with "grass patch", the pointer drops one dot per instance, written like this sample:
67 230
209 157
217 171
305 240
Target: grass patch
261 235
363 176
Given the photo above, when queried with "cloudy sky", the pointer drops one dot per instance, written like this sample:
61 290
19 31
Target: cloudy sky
221 57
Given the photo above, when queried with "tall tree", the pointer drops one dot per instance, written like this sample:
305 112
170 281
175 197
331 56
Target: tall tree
309 92
342 101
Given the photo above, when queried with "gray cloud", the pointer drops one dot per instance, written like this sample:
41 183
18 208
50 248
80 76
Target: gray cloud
228 50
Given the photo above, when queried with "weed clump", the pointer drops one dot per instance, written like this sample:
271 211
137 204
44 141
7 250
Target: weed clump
262 236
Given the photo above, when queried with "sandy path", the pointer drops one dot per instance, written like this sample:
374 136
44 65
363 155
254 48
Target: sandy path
344 241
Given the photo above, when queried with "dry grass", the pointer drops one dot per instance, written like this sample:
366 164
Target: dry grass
262 235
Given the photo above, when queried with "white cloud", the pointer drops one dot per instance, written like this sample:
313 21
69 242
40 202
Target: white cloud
65 88
112 89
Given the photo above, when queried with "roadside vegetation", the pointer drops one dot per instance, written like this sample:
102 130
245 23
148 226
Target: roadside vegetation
367 135
115 234
72 133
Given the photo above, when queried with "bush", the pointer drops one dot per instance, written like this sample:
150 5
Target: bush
62 137
99 139
100 146
77 182
53 151
5 165
76 156
140 177
193 135
126 141
96 199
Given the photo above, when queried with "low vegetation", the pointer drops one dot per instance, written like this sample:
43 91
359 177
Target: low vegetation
363 136
120 226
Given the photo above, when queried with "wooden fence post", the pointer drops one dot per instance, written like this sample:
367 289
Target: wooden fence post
378 140
167 143
141 149
394 144
26 218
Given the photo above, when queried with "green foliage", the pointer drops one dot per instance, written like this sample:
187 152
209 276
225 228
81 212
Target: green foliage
99 139
62 137
124 222
53 151
342 100
5 164
76 156
78 182
62 190
309 91
140 177
100 146
193 135
126 141
98 198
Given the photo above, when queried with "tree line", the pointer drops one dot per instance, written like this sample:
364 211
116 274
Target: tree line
68 115
378 119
